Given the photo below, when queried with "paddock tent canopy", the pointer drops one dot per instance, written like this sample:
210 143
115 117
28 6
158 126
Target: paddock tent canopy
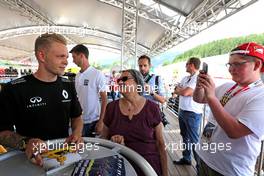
131 26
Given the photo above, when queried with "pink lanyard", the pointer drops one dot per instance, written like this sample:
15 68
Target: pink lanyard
227 96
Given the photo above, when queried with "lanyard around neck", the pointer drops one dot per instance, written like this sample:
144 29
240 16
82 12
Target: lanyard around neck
190 78
227 96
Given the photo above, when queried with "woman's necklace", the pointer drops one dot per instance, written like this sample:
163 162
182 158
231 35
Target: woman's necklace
130 109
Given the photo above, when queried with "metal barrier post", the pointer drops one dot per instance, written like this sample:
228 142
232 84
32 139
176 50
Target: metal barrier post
203 119
261 157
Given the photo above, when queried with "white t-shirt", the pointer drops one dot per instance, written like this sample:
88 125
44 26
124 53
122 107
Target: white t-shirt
186 102
238 156
88 85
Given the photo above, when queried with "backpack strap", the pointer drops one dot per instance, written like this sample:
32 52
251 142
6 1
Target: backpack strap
148 78
156 84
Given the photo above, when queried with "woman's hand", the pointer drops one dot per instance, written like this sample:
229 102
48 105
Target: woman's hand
118 139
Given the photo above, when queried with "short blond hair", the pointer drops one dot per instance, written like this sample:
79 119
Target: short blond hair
44 41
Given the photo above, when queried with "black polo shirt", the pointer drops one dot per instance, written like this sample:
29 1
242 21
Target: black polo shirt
38 109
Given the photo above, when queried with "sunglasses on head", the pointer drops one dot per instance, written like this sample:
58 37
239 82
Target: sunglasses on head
123 79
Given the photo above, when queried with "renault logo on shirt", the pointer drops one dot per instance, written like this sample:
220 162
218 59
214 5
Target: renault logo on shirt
35 99
65 95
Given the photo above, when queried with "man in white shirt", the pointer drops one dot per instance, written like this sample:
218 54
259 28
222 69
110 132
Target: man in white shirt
190 112
231 140
89 83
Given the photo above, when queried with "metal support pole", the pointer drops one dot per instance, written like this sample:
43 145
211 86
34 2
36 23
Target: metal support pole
135 56
129 30
122 37
261 157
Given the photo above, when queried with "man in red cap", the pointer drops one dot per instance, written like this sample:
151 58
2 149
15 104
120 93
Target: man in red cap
230 143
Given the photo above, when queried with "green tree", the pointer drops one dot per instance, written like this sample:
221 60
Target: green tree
217 47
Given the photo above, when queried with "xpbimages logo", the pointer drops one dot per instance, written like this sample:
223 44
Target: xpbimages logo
147 89
210 147
80 147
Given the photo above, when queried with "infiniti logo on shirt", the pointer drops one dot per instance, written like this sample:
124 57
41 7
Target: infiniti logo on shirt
35 99
35 102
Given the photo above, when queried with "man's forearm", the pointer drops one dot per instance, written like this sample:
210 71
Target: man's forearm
179 91
103 107
159 98
10 139
77 125
199 96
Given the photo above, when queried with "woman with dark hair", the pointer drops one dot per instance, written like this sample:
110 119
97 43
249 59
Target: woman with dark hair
136 123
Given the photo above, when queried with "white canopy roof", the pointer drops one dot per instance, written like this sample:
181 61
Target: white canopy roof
161 24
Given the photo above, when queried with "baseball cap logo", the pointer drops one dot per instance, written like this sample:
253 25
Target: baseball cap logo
259 50
65 94
35 99
250 49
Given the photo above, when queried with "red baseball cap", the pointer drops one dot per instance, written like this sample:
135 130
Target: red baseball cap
250 49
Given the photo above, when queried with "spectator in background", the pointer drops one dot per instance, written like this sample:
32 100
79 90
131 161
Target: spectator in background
113 86
154 88
135 122
89 83
236 121
190 112
41 105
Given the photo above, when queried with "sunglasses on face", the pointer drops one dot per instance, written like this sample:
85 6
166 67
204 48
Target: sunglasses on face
124 79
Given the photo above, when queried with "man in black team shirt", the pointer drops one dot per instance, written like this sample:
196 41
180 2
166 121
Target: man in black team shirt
41 106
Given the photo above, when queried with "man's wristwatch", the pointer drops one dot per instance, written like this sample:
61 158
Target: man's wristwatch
23 143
